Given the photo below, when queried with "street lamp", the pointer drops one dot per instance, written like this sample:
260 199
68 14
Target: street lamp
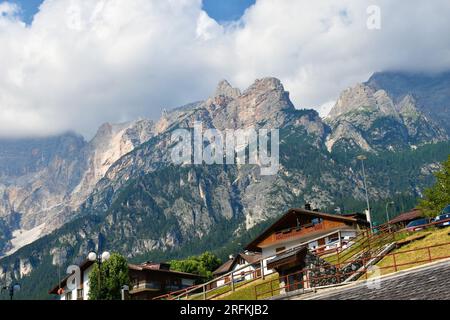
362 158
388 219
12 288
99 258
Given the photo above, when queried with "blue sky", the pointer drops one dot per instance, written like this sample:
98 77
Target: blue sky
226 10
220 10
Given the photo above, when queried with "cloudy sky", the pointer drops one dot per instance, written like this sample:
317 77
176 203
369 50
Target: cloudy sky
74 64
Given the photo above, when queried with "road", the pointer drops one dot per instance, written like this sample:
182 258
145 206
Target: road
430 282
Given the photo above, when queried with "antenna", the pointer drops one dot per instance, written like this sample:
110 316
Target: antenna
59 269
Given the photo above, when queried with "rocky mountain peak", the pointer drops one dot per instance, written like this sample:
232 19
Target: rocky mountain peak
264 103
225 89
353 99
431 92
369 118
265 85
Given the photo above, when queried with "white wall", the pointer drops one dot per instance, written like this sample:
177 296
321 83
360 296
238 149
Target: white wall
237 275
247 270
85 286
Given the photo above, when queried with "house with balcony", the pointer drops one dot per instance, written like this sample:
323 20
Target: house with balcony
317 231
147 280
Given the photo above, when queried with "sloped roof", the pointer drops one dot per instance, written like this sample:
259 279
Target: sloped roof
407 216
151 268
250 258
287 257
224 268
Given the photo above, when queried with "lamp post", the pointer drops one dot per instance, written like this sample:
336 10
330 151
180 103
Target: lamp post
99 258
12 288
362 158
388 219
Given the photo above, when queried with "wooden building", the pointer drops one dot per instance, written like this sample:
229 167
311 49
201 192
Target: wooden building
316 231
289 266
404 218
149 280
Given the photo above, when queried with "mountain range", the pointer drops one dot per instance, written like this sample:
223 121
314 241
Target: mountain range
58 194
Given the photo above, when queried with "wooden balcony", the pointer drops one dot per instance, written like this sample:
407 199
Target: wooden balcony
294 232
305 230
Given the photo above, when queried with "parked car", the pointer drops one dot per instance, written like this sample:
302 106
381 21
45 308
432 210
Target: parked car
418 224
445 215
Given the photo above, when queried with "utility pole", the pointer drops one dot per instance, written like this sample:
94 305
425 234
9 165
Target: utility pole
362 158
388 219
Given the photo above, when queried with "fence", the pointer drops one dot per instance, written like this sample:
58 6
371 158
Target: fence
340 276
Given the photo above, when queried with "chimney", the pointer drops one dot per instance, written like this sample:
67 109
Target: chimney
308 206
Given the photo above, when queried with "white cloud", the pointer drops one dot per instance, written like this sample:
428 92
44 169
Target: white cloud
85 62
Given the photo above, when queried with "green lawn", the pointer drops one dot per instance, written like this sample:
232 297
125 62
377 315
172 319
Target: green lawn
415 258
247 291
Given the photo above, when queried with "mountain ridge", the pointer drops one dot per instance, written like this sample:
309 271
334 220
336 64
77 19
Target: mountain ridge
143 203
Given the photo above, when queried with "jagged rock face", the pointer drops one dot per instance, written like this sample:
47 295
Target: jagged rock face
431 92
111 142
43 180
264 104
370 120
35 176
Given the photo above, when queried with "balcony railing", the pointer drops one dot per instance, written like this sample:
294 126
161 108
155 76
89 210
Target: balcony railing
147 285
293 232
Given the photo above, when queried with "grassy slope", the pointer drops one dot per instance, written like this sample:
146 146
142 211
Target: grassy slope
247 292
415 258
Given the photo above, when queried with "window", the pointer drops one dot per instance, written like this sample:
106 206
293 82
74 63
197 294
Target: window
280 249
312 245
330 240
173 284
69 295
